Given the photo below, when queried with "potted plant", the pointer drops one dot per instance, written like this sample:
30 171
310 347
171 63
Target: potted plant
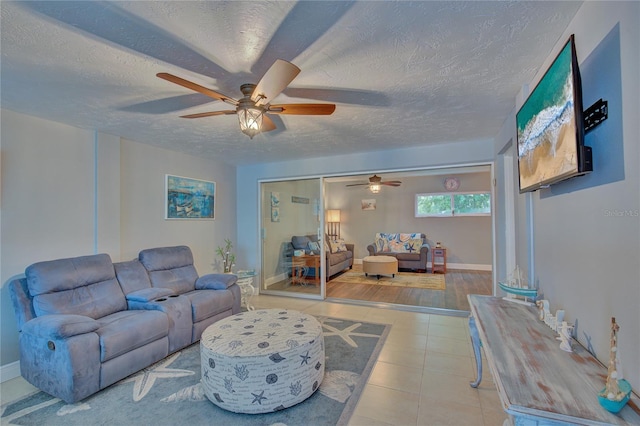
228 258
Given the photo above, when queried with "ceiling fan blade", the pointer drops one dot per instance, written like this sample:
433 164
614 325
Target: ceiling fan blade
196 87
391 183
303 109
357 184
274 81
267 124
210 114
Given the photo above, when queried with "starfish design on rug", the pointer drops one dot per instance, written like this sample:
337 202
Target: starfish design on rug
144 381
258 397
346 333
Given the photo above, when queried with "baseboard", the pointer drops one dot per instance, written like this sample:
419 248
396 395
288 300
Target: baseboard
463 266
9 371
275 279
467 266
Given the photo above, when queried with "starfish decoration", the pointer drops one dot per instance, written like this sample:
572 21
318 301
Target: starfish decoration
258 397
269 335
305 358
346 333
145 380
214 338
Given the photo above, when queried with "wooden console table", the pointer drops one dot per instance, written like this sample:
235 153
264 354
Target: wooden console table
538 383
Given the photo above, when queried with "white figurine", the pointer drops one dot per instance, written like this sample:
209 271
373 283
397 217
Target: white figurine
559 320
543 309
565 331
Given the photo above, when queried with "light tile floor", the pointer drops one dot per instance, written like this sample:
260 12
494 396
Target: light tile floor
421 377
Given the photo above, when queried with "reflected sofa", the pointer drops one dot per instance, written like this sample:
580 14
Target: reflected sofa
411 250
85 323
335 261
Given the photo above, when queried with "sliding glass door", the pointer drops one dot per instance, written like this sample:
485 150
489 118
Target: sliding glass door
291 235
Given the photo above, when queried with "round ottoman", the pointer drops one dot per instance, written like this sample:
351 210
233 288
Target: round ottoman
262 361
380 265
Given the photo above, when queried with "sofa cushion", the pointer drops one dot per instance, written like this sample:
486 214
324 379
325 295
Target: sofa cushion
170 267
300 242
207 303
132 276
336 258
124 331
408 256
84 285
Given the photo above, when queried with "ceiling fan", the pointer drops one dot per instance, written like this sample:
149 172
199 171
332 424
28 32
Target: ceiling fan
375 182
253 107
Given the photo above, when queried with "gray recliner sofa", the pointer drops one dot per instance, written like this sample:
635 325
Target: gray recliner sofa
85 323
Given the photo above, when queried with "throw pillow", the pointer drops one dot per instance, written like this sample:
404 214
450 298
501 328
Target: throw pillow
326 247
314 247
382 244
338 246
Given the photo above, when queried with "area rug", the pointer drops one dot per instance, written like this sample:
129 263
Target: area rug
402 279
169 392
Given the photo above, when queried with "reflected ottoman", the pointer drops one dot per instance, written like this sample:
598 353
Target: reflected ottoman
262 361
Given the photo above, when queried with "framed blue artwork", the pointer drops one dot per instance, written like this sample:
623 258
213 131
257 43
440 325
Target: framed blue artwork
187 198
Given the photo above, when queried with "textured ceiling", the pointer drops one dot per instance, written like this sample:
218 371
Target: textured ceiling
401 73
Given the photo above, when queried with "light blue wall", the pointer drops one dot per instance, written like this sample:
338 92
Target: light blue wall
582 237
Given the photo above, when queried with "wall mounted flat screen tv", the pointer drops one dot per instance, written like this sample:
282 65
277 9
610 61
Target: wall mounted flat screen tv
551 128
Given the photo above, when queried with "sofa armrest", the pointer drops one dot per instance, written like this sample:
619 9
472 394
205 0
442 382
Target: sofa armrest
149 294
350 247
424 250
216 281
371 248
60 326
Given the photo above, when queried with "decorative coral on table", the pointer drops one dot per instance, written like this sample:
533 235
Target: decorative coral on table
616 392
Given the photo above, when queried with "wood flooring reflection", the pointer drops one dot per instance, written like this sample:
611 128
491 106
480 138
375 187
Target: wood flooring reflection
459 283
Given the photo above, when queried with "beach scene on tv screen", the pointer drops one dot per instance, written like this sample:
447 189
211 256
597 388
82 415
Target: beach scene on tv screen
547 147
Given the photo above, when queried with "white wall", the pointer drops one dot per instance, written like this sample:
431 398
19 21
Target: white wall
586 231
70 192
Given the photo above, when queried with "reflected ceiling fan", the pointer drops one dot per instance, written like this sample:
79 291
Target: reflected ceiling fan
253 107
375 183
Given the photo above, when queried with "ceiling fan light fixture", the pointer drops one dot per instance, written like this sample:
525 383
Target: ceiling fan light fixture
250 119
374 187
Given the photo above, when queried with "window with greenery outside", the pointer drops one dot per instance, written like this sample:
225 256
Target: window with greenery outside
469 204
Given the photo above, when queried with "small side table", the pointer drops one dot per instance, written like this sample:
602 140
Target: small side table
247 290
301 265
439 260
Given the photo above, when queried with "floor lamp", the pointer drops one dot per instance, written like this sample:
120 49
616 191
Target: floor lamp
332 218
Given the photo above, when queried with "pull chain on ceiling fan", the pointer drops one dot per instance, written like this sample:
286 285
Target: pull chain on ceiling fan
255 105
